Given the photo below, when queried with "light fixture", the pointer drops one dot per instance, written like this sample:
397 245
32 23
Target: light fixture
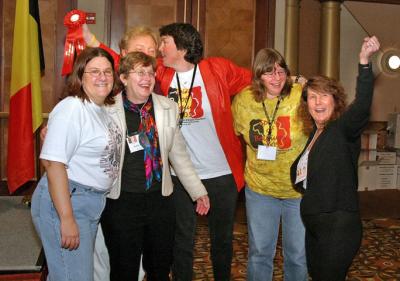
390 61
394 62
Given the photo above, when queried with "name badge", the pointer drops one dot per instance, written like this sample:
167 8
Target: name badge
133 143
266 152
301 171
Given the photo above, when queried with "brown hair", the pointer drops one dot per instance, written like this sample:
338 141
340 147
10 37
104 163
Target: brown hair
265 61
137 31
74 86
132 59
324 84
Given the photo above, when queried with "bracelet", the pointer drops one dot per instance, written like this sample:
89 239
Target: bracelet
297 78
92 41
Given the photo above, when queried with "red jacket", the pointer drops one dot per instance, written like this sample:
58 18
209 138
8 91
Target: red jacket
222 79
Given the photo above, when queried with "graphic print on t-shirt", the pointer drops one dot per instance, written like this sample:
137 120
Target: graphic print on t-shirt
110 158
280 135
191 104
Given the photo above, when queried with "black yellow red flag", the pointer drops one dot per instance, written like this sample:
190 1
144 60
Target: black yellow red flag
25 93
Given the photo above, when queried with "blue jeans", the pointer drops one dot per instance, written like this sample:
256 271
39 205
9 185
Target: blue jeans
87 205
223 195
264 214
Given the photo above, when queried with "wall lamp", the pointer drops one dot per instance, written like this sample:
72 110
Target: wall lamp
390 61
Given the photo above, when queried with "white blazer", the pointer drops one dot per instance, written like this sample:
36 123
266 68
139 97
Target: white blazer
172 147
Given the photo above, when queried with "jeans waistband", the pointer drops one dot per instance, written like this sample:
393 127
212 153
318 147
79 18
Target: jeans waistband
76 185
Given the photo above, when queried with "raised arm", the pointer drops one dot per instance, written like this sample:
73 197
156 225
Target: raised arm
356 117
88 36
91 41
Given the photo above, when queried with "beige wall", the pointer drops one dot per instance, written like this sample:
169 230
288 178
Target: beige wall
98 7
382 20
279 40
358 19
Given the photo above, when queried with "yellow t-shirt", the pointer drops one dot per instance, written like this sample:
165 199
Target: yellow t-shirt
270 177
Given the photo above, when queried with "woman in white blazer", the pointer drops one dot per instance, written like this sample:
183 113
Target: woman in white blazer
139 216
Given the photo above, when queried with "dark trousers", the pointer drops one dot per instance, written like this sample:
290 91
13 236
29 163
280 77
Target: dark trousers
139 223
332 241
223 194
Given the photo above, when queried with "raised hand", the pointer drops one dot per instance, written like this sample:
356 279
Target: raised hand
369 47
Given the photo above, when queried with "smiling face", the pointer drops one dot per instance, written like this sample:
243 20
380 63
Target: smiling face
98 79
139 83
321 107
274 81
141 43
172 57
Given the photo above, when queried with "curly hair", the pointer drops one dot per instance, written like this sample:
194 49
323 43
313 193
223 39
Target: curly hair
265 61
137 31
133 59
327 85
187 38
74 85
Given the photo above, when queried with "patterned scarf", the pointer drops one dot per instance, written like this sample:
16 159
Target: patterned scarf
148 138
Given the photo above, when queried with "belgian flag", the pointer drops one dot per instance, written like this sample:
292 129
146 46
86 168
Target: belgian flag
25 115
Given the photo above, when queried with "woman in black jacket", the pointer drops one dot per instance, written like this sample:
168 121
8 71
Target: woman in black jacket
327 170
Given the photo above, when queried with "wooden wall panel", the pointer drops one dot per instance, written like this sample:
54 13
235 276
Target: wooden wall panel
154 13
309 34
48 11
229 30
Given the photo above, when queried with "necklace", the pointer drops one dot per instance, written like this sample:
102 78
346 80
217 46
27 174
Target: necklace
182 108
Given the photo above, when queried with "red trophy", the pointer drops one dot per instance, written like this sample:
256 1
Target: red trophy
74 39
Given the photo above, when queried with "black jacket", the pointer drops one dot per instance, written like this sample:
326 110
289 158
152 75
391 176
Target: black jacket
332 161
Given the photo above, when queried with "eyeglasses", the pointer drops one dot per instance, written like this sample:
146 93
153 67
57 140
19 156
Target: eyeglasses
142 73
271 74
97 73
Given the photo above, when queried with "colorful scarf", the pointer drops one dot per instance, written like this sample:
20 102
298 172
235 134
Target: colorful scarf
148 138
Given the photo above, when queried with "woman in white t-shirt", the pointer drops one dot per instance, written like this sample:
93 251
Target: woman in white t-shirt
81 155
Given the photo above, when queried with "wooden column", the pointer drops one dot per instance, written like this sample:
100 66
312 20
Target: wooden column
292 19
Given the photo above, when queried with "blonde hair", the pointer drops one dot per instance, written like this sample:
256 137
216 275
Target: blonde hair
137 31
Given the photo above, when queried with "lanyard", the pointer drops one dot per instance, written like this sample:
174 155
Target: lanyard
271 120
182 108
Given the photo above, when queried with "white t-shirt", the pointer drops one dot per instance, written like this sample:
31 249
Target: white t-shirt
198 127
83 137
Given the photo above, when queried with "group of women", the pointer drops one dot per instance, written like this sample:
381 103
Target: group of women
112 136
